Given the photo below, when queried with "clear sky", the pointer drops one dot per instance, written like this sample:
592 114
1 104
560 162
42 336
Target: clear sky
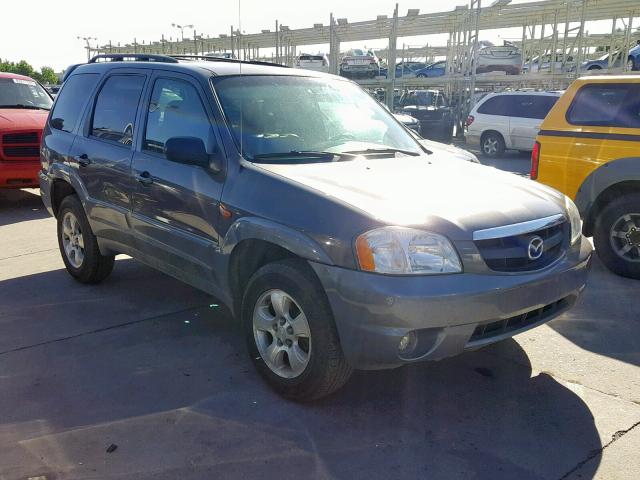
44 32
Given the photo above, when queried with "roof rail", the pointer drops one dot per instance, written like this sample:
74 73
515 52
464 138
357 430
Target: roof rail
138 57
222 59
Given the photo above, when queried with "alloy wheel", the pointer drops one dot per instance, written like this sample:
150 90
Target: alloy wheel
625 237
72 239
490 146
282 334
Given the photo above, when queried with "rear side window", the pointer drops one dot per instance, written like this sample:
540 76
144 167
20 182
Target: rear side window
175 110
498 105
606 105
68 108
531 106
115 111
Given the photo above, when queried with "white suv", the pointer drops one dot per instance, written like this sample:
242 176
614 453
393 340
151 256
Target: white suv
318 62
508 120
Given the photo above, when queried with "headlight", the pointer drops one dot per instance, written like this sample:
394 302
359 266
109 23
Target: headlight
406 251
574 218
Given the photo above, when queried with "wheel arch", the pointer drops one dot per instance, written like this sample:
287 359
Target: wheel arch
251 243
605 184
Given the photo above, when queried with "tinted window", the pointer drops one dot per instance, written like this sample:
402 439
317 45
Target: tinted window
606 105
115 112
531 106
498 105
175 110
72 97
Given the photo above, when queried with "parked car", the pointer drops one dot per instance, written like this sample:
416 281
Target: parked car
505 58
404 69
437 69
337 240
431 108
24 106
360 63
602 63
508 120
589 148
408 121
52 89
318 62
543 64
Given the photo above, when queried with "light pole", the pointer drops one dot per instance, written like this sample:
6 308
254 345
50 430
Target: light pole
88 45
181 28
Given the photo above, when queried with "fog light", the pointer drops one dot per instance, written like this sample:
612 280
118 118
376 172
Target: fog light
408 343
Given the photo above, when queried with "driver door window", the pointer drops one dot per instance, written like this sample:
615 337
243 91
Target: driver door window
175 110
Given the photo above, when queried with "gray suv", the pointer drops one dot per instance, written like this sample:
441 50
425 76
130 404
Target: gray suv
330 232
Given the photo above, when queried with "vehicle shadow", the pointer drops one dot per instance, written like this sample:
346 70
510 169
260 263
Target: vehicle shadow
20 205
161 371
612 329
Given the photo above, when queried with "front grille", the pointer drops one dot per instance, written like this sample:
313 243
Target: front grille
517 322
20 146
511 254
18 138
22 152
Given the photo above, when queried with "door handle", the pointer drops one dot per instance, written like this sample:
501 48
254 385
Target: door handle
144 178
83 160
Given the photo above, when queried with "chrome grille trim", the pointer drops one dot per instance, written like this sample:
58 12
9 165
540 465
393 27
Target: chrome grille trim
518 228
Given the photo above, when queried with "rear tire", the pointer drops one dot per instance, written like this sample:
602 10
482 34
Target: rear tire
79 246
620 253
492 145
278 296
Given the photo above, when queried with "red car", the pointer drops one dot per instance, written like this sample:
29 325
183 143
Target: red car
24 106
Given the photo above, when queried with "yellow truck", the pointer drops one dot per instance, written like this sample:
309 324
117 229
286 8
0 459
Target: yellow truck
588 147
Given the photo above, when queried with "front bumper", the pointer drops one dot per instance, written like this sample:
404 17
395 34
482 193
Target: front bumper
19 174
373 312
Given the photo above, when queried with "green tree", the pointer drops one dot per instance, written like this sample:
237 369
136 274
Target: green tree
45 75
48 76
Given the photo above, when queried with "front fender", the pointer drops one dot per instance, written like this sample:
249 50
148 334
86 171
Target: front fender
254 228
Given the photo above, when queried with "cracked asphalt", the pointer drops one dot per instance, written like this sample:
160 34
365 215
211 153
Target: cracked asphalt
159 370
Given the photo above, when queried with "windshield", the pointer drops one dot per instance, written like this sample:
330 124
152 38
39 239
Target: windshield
19 93
421 98
283 114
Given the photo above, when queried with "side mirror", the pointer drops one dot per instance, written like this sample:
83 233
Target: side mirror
191 151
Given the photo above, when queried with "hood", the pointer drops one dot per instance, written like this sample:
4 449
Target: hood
445 150
453 198
22 119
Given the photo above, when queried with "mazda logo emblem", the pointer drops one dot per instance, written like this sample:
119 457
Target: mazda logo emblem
536 248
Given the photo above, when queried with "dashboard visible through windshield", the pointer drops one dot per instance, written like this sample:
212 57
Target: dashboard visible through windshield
271 115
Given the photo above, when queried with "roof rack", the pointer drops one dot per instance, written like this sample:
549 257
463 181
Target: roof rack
222 59
138 57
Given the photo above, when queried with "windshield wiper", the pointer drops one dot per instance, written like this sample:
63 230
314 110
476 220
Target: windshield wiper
28 107
305 156
381 151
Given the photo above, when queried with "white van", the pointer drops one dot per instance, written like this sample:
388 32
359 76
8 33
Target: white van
508 120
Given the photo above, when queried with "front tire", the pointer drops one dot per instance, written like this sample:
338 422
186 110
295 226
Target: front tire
290 332
617 236
492 145
79 246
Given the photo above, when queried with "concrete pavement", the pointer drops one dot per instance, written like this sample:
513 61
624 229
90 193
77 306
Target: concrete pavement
156 368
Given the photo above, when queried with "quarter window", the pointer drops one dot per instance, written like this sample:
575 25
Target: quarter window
69 105
115 112
175 110
606 105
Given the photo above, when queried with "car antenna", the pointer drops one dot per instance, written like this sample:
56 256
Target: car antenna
241 102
